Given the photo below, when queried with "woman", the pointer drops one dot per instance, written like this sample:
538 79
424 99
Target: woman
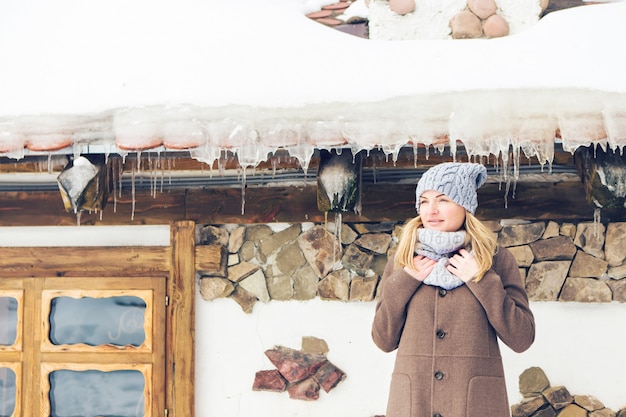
447 295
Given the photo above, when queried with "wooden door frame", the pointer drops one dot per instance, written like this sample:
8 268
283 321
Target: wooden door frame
176 262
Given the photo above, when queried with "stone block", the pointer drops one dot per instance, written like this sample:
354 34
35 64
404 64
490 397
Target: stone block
213 288
617 272
573 410
568 229
363 288
257 232
356 259
523 255
545 280
552 230
321 249
558 397
374 242
289 258
241 271
520 234
586 290
269 380
590 238
329 376
615 247
587 266
618 288
236 239
532 382
280 287
605 412
211 235
245 300
588 402
294 365
256 285
528 407
270 244
348 235
314 345
545 412
307 390
305 282
336 286
559 248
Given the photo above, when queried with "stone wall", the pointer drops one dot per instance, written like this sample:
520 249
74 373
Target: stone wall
583 262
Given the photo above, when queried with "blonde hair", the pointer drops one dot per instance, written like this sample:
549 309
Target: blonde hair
479 238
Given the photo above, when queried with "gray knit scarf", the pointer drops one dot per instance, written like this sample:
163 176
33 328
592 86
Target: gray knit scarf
440 246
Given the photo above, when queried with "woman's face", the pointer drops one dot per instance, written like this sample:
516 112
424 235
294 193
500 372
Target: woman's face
439 212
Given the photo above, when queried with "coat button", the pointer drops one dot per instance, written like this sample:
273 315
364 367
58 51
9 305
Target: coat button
441 334
442 292
438 375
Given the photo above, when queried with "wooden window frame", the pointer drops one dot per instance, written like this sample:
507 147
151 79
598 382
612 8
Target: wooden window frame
176 262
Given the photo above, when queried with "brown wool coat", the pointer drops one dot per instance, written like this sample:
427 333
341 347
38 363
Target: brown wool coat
448 362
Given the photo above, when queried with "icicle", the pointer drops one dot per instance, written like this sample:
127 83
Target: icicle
596 221
162 166
121 172
338 223
243 190
139 162
132 213
115 175
506 193
275 163
170 164
78 215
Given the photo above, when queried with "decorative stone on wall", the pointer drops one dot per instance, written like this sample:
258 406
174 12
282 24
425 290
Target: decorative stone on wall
451 19
299 372
542 400
583 262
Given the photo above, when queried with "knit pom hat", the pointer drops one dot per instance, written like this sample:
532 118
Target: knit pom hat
459 181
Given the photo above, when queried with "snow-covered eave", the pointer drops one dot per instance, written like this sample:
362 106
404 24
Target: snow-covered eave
308 87
486 122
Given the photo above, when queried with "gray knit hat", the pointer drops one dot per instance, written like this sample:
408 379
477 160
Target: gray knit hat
459 181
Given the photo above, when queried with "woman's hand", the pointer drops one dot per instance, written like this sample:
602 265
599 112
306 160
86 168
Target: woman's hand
463 265
423 265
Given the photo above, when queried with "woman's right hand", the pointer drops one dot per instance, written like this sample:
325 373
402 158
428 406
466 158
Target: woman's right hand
423 267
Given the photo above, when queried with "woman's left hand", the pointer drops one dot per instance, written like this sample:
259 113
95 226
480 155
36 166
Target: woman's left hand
463 265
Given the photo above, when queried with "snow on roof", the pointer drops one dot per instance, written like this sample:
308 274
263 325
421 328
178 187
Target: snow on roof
253 76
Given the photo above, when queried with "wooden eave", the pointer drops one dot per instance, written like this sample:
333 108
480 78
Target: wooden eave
549 198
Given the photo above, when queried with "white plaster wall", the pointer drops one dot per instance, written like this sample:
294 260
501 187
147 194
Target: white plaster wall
577 345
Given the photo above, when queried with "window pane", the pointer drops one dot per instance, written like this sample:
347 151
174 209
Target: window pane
7 392
96 393
8 320
97 321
